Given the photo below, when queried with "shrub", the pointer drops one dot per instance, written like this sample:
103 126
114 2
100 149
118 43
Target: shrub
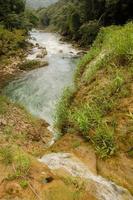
74 24
89 32
11 41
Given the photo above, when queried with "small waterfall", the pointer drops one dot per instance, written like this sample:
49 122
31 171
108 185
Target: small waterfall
104 189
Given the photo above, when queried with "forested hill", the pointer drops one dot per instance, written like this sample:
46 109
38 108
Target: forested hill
40 3
81 20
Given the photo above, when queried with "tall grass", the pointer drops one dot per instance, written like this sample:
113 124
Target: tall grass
62 110
84 62
116 43
104 140
86 117
113 52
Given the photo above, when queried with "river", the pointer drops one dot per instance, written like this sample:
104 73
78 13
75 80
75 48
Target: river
39 91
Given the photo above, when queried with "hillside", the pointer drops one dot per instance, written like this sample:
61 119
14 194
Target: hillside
80 21
86 152
40 3
100 106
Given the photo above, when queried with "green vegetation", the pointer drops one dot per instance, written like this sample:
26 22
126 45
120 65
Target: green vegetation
3 105
6 155
15 22
104 141
103 79
10 42
22 164
86 117
29 64
13 15
24 184
20 161
82 20
62 110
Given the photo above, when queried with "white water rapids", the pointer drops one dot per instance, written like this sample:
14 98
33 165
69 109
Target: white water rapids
40 89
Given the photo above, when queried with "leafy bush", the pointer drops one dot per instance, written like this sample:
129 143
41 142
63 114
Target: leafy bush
74 24
81 20
31 17
11 41
88 32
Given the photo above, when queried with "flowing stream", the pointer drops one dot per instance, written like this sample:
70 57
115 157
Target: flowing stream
39 91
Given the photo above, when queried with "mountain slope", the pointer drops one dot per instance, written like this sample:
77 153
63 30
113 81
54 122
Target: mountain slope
100 107
41 3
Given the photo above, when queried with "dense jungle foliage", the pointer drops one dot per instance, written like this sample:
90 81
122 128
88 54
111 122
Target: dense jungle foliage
13 15
81 20
15 21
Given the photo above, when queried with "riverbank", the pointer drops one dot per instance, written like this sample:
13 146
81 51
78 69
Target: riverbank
99 110
23 139
71 167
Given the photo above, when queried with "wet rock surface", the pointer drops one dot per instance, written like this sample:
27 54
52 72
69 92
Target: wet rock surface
102 188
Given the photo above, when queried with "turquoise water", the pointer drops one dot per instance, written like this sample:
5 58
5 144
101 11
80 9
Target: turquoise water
40 89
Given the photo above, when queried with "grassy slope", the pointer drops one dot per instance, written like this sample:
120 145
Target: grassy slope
22 141
100 108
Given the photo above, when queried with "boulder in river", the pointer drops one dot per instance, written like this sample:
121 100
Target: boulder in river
43 63
42 54
37 45
60 51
